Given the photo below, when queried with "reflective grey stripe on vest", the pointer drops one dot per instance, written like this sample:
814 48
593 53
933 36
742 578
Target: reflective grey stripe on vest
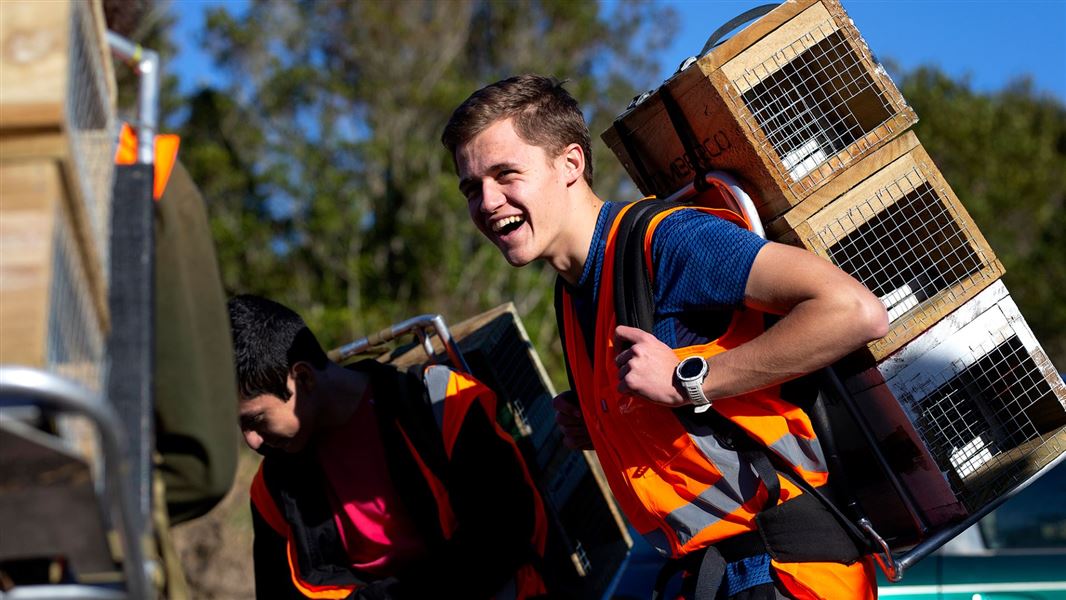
738 483
805 454
436 378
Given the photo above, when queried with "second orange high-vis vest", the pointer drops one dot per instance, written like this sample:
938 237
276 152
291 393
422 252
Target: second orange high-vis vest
677 484
451 395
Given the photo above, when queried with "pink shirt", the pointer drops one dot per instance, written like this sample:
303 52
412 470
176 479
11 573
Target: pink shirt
374 525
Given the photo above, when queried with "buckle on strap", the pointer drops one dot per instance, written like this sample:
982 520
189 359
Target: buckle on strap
883 554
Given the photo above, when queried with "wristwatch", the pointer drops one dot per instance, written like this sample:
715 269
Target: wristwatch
691 373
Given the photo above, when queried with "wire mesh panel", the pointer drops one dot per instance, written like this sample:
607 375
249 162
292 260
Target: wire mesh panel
817 106
904 234
973 404
90 125
75 343
588 541
787 104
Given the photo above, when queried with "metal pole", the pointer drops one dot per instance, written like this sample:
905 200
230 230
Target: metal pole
23 386
145 63
420 323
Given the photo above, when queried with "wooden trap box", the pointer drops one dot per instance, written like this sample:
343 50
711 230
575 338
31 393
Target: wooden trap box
786 104
57 101
53 304
963 414
903 233
588 539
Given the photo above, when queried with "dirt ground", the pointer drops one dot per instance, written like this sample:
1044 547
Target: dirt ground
216 549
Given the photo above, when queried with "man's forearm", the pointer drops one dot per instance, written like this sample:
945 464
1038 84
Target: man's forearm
811 336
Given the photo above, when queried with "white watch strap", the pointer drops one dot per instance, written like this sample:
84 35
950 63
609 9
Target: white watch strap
694 390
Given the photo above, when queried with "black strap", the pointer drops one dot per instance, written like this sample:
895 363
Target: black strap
634 300
759 461
560 321
732 437
708 566
803 529
711 574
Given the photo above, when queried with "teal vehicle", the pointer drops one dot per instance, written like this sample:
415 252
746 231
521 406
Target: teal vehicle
1017 552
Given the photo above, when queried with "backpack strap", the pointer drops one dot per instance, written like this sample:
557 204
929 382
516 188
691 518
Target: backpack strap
634 299
560 320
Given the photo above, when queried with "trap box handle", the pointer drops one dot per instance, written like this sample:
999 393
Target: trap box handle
422 326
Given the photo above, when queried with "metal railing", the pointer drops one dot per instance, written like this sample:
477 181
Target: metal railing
23 386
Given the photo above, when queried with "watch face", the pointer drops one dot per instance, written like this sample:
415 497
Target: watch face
690 367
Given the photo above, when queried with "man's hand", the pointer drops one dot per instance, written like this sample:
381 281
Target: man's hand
646 367
570 420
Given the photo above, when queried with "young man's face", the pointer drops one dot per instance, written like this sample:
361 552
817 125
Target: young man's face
514 192
267 420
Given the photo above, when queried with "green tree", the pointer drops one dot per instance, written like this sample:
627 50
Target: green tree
329 188
1004 155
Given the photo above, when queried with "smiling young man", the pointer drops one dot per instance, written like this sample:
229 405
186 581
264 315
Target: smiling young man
377 483
697 484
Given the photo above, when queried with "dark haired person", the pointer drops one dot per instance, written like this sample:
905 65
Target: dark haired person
694 482
377 483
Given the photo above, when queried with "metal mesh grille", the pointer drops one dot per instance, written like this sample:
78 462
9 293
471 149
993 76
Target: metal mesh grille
91 127
75 343
993 423
914 253
813 100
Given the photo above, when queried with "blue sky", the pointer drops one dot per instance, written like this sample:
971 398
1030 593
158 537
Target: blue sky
992 42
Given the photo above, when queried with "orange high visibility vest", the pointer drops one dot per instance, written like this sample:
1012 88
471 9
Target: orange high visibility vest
451 394
679 488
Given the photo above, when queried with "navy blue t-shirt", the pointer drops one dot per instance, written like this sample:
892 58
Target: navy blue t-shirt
701 266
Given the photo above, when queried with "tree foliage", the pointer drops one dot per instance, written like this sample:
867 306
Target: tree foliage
1004 155
330 190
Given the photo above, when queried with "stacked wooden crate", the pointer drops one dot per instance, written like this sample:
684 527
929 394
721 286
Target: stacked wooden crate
960 398
56 156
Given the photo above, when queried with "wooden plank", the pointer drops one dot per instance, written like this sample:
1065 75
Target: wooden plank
37 231
34 56
879 186
749 35
89 201
780 228
22 144
30 196
778 48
